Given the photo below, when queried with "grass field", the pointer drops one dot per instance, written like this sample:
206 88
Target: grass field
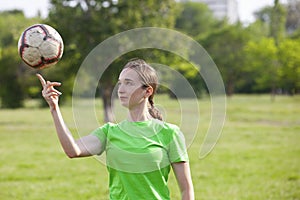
256 157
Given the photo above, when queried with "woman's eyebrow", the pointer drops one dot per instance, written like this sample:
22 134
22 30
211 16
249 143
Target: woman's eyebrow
126 79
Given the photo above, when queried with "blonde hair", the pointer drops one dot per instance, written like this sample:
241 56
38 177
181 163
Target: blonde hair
148 77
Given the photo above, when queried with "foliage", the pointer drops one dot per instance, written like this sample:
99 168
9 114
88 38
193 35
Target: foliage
291 10
293 16
85 24
278 21
269 64
245 55
196 19
289 73
226 49
260 58
13 72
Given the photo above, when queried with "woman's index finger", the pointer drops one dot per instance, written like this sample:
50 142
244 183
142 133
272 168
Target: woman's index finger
42 80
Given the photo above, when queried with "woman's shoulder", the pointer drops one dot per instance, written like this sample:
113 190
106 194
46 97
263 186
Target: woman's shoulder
167 126
105 127
168 132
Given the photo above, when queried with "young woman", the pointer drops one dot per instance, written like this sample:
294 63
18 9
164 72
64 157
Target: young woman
141 150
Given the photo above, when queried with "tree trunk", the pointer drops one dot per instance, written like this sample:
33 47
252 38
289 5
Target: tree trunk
107 93
277 28
230 87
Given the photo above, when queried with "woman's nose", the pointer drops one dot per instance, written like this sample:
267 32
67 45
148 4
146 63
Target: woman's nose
121 89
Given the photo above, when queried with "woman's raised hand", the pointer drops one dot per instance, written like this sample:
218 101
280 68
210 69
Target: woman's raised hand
50 94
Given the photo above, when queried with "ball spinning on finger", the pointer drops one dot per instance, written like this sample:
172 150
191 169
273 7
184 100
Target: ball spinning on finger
40 46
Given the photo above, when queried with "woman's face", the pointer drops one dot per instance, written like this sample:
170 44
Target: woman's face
130 90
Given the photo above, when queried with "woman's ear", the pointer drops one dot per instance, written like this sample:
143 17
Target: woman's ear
149 91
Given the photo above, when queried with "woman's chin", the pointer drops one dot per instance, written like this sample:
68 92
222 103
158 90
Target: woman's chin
123 103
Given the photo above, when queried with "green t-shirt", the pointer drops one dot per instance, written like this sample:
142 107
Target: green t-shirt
138 157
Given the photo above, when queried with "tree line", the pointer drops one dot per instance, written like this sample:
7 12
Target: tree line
260 57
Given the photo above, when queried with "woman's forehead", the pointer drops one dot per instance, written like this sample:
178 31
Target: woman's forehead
128 73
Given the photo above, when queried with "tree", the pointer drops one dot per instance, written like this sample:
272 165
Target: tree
85 23
275 13
293 16
277 31
260 57
275 17
226 48
289 73
196 19
13 72
277 23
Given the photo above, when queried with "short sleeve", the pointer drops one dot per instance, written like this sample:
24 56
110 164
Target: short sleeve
177 148
101 134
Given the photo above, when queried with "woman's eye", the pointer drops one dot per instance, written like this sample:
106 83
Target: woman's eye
125 83
128 83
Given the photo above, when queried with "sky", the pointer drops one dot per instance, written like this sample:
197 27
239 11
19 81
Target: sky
246 8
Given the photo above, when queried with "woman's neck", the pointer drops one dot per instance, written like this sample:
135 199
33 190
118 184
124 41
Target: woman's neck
139 113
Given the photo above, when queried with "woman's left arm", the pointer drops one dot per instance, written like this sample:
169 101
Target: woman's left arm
184 179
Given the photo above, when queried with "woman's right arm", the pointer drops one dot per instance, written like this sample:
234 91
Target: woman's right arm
86 146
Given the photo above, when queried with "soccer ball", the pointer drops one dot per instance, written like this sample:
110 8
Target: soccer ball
40 46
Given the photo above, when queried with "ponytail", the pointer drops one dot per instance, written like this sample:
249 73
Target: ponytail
153 111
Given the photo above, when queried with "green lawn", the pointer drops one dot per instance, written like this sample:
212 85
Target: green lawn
256 157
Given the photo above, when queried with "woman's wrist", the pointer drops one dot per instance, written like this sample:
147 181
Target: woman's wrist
53 107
